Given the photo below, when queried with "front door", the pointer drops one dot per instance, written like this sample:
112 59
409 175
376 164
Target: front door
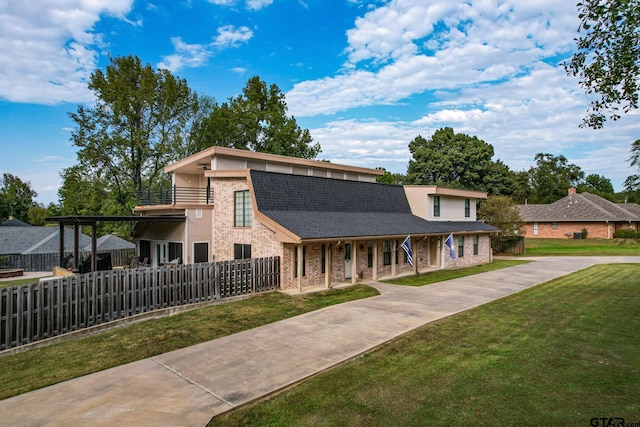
434 251
161 253
347 261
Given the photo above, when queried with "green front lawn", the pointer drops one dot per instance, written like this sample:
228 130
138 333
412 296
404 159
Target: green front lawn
560 353
16 282
442 275
572 247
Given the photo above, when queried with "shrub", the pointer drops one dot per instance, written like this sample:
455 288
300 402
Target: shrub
627 233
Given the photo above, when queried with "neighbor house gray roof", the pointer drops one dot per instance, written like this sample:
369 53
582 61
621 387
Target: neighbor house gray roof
319 208
110 242
41 240
580 207
12 222
36 240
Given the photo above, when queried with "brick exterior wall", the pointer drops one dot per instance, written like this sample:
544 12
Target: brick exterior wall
564 230
226 234
469 259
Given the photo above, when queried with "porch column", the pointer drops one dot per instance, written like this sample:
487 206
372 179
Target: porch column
375 261
415 256
327 266
354 262
394 253
94 247
299 249
76 247
61 240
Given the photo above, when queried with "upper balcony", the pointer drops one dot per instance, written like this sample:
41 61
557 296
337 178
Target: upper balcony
175 196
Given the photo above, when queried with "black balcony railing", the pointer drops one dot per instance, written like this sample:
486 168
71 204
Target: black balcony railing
175 196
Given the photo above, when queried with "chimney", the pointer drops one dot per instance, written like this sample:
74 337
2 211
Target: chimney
572 191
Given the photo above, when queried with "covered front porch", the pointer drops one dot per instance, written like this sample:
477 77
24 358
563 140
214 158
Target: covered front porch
313 264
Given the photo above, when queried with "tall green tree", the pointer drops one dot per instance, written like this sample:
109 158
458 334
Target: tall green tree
390 178
16 197
84 192
501 212
457 160
521 187
551 177
37 214
607 60
137 126
256 120
632 183
598 184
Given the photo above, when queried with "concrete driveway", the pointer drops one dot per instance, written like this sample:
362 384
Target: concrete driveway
188 387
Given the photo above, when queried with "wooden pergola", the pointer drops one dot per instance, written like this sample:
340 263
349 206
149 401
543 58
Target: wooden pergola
92 221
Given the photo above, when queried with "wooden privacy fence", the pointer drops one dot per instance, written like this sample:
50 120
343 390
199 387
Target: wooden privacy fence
50 308
46 262
511 245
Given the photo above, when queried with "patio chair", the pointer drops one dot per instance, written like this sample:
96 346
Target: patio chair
134 262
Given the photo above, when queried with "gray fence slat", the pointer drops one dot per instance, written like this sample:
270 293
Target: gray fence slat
36 311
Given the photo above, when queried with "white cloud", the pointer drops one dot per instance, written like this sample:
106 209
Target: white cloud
395 53
196 55
222 2
186 55
231 36
486 68
249 4
48 48
258 4
534 113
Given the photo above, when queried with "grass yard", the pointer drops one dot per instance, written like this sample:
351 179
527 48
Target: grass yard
560 353
442 275
16 282
41 367
44 366
592 247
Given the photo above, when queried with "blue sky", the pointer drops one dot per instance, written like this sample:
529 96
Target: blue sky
365 77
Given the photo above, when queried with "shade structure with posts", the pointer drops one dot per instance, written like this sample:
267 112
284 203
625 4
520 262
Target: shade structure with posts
79 220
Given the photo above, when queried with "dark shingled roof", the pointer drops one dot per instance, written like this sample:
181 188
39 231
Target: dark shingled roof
318 208
583 207
36 240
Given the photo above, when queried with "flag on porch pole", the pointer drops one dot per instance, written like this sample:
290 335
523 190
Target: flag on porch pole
449 242
406 245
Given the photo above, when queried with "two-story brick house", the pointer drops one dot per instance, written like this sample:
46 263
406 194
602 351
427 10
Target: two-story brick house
328 223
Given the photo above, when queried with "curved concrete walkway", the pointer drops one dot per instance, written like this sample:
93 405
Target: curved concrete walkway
188 387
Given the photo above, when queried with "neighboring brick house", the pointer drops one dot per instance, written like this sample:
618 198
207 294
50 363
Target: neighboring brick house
328 223
576 212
